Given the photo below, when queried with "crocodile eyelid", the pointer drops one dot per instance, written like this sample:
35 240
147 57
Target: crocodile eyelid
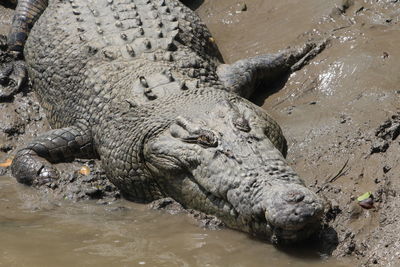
182 122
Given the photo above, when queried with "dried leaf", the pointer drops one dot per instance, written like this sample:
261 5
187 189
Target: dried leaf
6 164
85 170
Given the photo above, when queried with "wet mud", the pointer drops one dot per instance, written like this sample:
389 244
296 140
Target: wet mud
339 114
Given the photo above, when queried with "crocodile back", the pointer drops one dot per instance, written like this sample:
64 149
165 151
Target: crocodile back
84 56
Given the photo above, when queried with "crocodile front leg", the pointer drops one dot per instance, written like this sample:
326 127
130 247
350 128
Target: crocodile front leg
243 76
13 74
32 164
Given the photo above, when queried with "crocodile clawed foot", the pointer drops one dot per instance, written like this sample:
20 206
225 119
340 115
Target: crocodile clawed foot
13 76
30 169
308 52
46 175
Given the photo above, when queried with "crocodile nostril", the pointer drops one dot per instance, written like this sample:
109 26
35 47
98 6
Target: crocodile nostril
294 196
299 197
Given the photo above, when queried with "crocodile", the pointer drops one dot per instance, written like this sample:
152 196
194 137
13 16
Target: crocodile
141 86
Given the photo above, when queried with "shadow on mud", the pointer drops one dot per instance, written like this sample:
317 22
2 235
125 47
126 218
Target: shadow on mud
265 89
9 4
318 247
193 4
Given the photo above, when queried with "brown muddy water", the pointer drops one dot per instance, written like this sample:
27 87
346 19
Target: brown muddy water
38 231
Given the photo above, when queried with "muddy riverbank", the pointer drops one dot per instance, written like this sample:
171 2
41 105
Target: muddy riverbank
339 114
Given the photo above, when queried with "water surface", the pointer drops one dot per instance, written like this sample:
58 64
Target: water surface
37 230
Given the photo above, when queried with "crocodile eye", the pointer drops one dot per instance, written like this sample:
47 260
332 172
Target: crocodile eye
207 138
203 138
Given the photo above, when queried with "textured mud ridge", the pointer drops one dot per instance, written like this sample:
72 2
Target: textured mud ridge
339 114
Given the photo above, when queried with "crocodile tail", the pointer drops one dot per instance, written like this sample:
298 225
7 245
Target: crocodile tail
26 14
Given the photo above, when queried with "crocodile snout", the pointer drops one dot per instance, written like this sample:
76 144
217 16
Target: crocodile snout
293 207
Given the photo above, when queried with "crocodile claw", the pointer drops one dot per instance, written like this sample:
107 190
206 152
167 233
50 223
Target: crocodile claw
13 76
30 169
13 73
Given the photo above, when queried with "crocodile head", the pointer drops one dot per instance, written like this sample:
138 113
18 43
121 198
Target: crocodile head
227 158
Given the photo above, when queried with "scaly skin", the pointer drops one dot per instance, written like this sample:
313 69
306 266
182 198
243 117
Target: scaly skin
136 84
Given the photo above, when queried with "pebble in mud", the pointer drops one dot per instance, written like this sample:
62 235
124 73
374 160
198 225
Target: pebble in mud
390 129
6 147
242 7
351 248
386 168
387 132
76 186
379 147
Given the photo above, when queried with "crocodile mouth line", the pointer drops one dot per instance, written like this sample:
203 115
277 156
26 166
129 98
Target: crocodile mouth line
215 200
256 226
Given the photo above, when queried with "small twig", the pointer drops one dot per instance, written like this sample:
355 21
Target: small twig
340 28
339 174
334 178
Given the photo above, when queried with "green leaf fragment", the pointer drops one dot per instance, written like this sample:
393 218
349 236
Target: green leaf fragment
364 196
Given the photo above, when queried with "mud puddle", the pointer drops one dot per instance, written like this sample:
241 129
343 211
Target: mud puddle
37 230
